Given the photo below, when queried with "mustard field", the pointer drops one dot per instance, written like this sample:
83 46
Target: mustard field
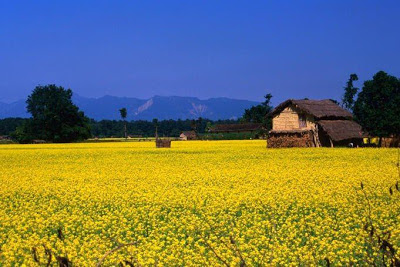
199 203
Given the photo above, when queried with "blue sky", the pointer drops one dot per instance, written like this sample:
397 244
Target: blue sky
237 49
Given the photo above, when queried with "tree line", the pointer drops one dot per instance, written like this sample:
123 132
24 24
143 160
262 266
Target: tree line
116 128
56 119
142 128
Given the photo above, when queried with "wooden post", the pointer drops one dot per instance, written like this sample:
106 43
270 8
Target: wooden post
125 132
330 140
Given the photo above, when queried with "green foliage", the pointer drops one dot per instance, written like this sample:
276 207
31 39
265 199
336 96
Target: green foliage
258 114
377 107
113 128
173 128
123 113
54 117
350 92
8 125
155 122
25 133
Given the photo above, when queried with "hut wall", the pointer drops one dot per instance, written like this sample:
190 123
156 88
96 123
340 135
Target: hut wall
304 139
288 119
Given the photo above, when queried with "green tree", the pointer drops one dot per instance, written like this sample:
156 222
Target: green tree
8 125
54 117
258 114
377 107
349 93
199 124
124 113
193 125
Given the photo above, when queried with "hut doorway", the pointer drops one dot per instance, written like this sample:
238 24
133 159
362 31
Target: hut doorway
324 138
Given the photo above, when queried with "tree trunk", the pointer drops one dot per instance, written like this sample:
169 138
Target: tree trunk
380 142
126 135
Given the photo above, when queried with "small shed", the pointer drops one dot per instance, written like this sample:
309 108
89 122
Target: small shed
313 123
188 135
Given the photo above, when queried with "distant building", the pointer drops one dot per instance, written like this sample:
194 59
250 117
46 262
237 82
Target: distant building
38 141
189 135
236 128
313 123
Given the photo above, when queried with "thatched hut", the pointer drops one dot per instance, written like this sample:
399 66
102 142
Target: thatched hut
313 123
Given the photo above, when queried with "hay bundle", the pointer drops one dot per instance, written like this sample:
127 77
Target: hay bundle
160 143
290 139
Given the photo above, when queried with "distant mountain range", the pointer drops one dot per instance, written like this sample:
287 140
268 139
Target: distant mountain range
161 107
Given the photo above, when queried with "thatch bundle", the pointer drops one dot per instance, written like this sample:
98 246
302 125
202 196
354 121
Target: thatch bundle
163 143
290 139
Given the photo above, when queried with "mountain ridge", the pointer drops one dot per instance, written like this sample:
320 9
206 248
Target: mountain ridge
160 107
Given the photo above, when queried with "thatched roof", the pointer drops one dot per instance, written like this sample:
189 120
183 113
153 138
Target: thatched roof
339 130
320 109
241 127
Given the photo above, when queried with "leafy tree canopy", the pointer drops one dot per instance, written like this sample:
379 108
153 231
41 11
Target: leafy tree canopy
54 117
258 114
123 112
350 92
377 107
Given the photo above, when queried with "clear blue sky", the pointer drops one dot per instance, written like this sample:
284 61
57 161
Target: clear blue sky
237 49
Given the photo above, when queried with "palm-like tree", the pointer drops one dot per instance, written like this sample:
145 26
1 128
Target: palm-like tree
124 113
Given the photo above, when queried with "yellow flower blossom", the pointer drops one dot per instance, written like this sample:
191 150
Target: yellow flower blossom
198 203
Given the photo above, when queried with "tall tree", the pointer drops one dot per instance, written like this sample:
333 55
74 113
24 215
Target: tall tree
124 113
349 93
258 114
155 123
377 107
54 117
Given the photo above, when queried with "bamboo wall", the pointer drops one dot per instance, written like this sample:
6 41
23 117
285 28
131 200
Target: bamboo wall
288 119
